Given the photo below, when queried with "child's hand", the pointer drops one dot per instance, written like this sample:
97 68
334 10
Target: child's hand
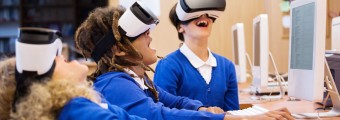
216 110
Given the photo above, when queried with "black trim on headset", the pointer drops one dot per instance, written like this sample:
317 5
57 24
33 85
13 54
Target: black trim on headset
185 6
37 36
143 14
190 6
102 46
123 32
188 21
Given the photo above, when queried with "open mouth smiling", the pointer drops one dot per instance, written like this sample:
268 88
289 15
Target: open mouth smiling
202 23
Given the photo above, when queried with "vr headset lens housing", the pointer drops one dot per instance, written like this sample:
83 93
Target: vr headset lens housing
190 9
36 49
137 19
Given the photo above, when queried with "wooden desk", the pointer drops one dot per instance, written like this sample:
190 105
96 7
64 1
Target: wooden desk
302 106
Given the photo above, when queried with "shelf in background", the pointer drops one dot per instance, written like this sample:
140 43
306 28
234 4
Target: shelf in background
62 15
8 21
10 7
47 21
48 6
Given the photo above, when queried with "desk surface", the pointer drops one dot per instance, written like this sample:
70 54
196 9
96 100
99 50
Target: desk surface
301 106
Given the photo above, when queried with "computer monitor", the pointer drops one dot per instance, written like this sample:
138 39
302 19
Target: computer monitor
260 51
306 49
336 34
239 52
333 93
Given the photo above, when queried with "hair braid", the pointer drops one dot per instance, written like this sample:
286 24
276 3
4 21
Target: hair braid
151 87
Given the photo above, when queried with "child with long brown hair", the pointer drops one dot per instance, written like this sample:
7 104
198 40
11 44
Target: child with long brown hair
121 66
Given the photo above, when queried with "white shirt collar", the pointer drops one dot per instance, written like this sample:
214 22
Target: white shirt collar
140 81
195 60
104 105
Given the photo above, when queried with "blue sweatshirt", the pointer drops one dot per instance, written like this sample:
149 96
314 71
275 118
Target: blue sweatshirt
176 75
121 89
83 109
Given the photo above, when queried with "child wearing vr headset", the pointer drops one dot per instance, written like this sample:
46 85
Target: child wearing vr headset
118 41
193 70
40 85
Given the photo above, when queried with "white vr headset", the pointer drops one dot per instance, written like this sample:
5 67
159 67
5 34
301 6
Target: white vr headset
134 21
36 49
190 9
137 19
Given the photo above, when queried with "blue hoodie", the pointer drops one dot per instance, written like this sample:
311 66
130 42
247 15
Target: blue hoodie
83 109
121 89
176 75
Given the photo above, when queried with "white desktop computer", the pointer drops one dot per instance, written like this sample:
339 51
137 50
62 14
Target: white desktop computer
336 34
333 93
306 49
262 83
260 51
239 52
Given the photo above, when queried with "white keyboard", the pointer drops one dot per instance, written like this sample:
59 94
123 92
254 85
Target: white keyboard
275 84
267 90
272 87
254 110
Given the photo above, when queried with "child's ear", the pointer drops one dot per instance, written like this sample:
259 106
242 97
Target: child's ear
119 52
180 29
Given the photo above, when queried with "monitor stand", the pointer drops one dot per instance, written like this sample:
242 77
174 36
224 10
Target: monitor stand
279 79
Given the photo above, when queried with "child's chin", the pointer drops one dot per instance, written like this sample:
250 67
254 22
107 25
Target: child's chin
151 61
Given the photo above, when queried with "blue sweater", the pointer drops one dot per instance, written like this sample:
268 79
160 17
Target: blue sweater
176 75
83 109
120 89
